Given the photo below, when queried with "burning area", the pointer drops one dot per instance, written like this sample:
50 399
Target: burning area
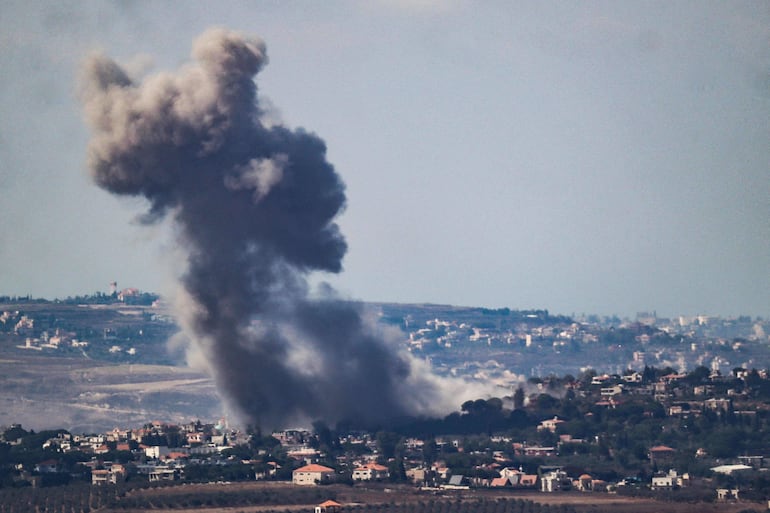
254 205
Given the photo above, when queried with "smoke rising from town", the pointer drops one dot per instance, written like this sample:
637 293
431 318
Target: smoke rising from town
254 207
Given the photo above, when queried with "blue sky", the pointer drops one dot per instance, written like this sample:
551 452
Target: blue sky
597 157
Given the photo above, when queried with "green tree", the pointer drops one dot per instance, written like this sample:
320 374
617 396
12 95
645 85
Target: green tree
387 442
429 450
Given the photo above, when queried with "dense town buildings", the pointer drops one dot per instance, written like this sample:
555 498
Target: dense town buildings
681 402
536 451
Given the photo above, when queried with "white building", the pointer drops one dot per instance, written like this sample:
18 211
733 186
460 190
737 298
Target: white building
311 475
555 481
370 472
669 481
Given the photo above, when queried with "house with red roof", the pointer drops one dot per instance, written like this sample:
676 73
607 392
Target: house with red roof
312 474
369 472
501 482
515 478
584 483
661 454
329 506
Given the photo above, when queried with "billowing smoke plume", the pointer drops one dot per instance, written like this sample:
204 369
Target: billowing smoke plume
255 205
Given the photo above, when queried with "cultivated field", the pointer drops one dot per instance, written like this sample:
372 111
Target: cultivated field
278 498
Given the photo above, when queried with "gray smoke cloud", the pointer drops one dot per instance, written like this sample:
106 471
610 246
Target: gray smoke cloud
254 204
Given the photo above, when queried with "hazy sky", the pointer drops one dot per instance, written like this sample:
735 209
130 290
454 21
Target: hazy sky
597 157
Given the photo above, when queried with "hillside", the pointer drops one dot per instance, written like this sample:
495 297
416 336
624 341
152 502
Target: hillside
94 362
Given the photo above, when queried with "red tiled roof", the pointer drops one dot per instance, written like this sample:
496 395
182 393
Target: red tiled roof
314 468
375 466
500 481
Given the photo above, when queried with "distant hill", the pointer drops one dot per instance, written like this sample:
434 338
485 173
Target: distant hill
75 364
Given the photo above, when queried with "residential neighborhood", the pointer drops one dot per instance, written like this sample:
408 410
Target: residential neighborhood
561 435
502 345
495 345
588 405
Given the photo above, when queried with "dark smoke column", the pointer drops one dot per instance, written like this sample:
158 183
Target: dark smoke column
254 205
